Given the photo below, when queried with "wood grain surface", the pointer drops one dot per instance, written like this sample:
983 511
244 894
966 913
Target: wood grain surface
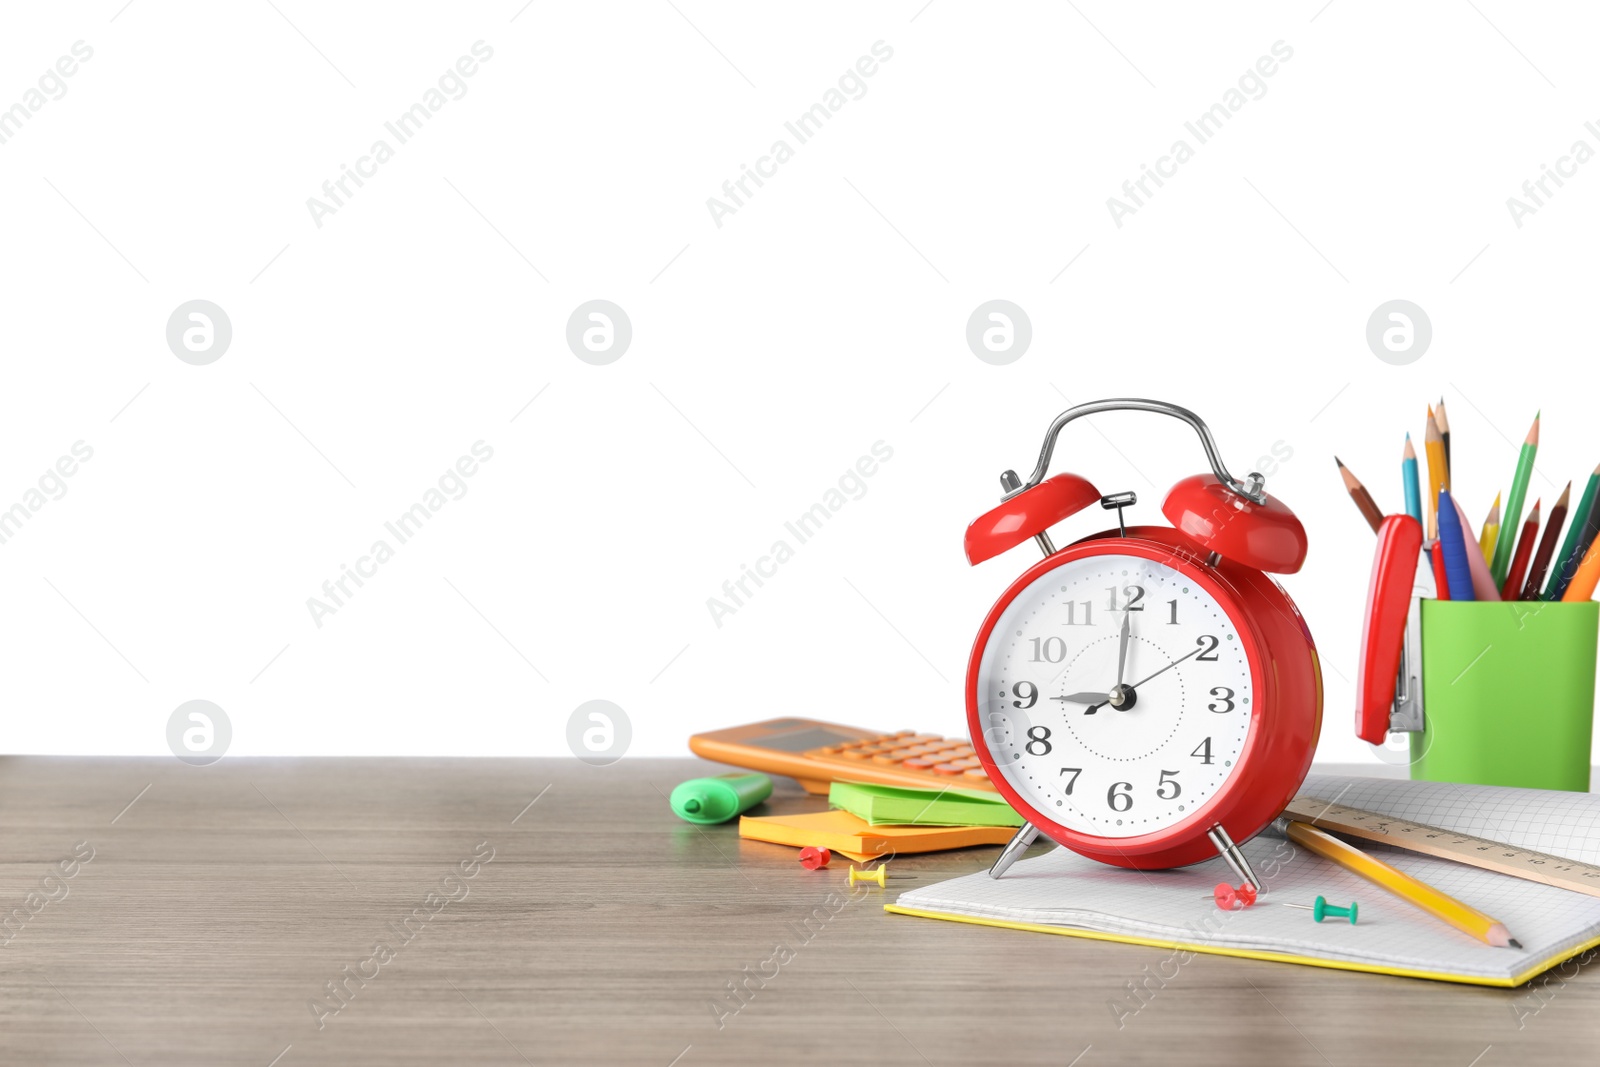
221 902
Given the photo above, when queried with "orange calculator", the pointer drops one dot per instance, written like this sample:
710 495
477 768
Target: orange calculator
817 753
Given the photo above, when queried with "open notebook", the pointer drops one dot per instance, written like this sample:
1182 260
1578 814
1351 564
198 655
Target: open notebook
1064 893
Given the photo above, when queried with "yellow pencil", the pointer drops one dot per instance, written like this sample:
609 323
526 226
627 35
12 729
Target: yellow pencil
1491 531
1464 918
1438 473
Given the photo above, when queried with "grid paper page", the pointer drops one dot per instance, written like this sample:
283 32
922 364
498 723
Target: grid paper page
1065 889
1545 820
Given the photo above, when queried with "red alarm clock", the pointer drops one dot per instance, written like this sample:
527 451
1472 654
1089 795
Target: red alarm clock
1146 696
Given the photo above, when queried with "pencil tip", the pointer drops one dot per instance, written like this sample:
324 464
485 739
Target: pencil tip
1514 943
1339 461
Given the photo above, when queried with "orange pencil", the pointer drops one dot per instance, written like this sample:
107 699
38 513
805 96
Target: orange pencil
1581 587
1524 552
1438 473
1359 494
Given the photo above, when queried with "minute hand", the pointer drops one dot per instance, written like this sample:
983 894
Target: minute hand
1168 667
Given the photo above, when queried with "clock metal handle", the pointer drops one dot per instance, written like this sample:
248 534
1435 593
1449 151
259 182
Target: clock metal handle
1250 489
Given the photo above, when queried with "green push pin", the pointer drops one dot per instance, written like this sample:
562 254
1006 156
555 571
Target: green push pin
1322 910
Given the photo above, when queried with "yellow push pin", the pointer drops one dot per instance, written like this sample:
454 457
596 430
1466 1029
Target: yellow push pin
876 874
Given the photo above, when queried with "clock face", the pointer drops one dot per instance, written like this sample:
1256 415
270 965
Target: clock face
1047 677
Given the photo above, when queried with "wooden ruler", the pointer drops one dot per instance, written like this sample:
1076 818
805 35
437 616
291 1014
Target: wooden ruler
1447 845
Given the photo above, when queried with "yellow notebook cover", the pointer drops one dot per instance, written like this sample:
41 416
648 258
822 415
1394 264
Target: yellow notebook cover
1063 893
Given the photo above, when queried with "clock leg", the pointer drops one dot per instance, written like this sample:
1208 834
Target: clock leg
1235 858
1018 845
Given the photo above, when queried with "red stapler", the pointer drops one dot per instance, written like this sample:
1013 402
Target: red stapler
1389 678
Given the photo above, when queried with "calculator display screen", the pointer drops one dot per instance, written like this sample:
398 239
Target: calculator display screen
804 740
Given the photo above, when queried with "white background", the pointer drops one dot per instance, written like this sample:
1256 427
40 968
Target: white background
768 354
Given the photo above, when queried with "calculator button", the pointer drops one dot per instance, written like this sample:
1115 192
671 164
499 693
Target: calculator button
854 755
946 768
977 772
920 763
962 753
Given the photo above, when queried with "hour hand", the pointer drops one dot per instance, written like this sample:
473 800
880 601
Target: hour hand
1082 698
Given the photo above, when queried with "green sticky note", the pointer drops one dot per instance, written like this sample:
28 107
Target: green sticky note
902 806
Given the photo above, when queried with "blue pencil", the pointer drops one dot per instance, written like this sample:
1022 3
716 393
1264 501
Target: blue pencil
1453 543
1413 485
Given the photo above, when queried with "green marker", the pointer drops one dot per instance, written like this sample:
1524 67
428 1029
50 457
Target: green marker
712 800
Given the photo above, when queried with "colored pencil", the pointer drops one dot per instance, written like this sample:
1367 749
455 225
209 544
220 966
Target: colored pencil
1513 512
1453 546
1588 576
1359 494
1444 432
1571 552
1483 587
1419 894
1438 475
1523 554
1586 547
1408 479
1547 546
1491 530
1441 580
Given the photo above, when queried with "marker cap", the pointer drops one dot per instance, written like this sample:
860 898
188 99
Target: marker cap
708 801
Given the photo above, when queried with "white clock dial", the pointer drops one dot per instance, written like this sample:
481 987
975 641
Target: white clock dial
1046 679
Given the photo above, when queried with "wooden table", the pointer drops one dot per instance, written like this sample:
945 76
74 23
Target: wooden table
220 902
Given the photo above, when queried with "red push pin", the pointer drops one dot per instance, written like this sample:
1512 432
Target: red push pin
1229 898
812 857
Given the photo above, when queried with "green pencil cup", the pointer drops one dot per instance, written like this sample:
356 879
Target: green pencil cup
1508 693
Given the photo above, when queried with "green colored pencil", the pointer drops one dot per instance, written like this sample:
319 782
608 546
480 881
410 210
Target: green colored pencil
1511 518
1566 561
